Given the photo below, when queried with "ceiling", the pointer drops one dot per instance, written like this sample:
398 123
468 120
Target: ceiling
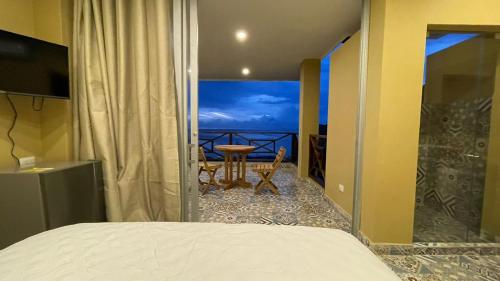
281 33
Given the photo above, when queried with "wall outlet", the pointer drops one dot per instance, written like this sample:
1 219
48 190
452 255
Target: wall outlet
341 187
27 162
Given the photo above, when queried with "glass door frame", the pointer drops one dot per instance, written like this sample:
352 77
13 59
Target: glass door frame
185 25
361 118
185 45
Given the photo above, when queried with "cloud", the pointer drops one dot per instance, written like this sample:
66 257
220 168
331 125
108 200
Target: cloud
213 114
287 120
252 105
265 99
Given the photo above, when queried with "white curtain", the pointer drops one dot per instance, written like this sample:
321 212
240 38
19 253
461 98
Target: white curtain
125 104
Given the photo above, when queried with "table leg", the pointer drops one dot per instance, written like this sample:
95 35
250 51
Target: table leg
226 168
238 176
244 167
243 181
230 168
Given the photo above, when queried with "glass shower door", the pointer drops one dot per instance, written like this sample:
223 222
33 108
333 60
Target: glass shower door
454 136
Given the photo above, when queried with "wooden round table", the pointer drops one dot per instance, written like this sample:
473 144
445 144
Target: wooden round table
241 151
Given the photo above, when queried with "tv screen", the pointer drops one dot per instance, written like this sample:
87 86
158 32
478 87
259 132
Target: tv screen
33 67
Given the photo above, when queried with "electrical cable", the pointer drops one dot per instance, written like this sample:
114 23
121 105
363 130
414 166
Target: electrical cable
13 143
33 104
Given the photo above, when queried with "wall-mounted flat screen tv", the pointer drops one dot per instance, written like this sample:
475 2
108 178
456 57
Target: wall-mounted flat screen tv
33 67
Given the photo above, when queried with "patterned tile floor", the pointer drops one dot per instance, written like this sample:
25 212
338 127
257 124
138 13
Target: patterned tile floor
433 226
449 267
301 203
295 206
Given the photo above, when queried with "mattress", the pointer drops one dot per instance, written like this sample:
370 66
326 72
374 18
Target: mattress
191 251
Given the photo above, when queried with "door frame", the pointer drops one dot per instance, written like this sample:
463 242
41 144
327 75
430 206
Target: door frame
361 118
185 47
185 25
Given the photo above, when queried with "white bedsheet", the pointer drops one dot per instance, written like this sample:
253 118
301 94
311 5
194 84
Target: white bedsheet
191 251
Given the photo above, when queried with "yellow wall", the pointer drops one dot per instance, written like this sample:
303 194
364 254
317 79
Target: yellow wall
17 16
46 134
310 70
54 25
397 50
342 116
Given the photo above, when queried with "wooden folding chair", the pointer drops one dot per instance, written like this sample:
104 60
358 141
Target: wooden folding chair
211 170
267 171
316 167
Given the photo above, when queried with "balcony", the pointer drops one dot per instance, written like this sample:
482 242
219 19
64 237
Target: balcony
267 143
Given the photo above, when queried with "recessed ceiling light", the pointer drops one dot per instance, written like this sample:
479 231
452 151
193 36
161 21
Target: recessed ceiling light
245 71
241 35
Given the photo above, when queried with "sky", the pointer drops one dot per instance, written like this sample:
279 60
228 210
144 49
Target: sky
435 45
257 105
274 105
249 105
323 88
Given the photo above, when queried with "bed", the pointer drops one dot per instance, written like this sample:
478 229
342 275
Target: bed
191 251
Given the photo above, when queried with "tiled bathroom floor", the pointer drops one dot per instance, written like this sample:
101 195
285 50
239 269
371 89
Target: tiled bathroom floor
434 226
301 203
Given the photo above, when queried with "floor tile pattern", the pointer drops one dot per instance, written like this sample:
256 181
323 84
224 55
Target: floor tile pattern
436 226
302 203
448 267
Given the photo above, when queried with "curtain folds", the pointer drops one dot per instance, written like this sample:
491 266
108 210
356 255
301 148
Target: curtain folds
124 105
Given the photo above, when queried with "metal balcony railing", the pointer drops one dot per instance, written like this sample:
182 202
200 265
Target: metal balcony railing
267 143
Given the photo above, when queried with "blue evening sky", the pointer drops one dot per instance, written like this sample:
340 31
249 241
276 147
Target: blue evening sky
249 105
444 42
257 105
274 105
323 88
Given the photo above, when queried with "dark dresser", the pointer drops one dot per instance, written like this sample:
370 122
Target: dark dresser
49 196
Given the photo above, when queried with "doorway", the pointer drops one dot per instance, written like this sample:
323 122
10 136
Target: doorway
455 183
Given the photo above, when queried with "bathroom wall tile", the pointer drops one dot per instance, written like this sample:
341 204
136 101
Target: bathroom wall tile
451 166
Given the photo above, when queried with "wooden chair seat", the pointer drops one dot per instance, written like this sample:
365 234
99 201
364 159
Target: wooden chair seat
262 167
267 171
211 166
210 169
